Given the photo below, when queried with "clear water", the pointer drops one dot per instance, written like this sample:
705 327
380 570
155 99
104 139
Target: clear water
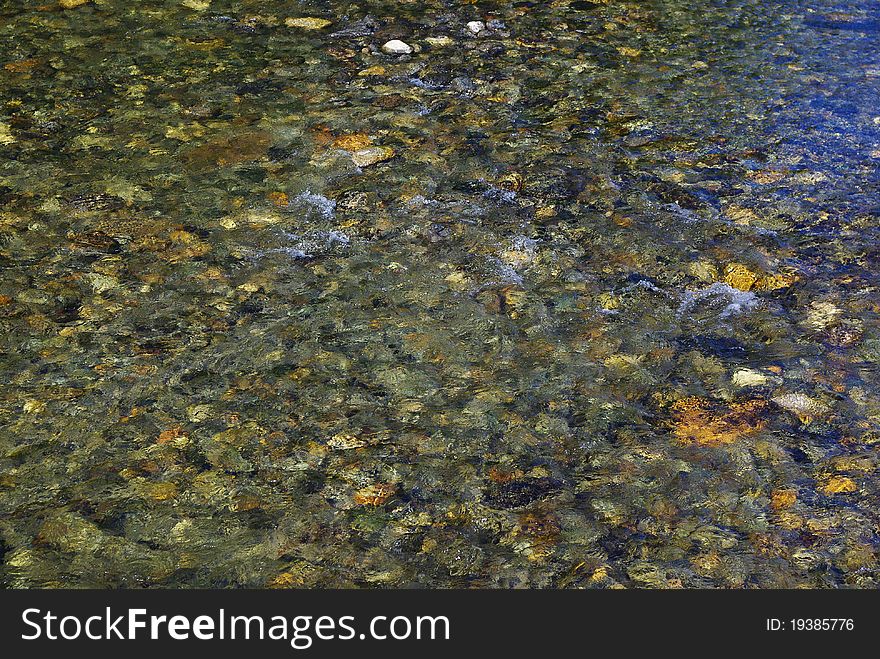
589 299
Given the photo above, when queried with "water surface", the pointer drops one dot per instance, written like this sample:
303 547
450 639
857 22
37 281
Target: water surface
586 299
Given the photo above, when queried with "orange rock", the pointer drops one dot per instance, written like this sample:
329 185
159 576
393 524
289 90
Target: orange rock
739 276
375 495
776 281
742 277
622 220
183 237
699 421
160 491
21 66
170 435
352 142
512 182
246 502
235 149
781 499
284 580
838 485
497 475
280 199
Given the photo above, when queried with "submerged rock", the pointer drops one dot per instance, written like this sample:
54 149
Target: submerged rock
750 377
521 492
372 155
307 23
375 495
702 422
396 47
5 134
440 42
805 407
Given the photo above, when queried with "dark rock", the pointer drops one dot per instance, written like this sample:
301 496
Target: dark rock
519 493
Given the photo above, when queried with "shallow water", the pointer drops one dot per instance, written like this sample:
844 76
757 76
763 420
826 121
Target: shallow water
588 299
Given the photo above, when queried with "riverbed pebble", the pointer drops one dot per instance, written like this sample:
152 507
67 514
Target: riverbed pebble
396 47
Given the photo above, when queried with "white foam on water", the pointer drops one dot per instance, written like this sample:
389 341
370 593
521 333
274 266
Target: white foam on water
317 242
524 244
506 272
420 200
499 195
292 252
692 217
326 207
738 302
689 216
646 285
335 237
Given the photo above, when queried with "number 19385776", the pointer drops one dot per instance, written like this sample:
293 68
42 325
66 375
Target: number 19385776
810 624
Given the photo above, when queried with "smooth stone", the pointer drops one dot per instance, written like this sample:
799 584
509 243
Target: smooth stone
371 155
749 377
307 23
440 41
396 47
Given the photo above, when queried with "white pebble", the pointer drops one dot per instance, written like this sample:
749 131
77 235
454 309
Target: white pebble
475 27
397 47
801 404
749 377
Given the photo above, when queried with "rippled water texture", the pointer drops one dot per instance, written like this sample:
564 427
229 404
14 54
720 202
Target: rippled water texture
586 296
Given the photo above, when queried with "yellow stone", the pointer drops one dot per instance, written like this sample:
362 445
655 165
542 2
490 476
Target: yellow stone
284 580
372 155
514 297
307 23
545 212
72 4
699 421
346 441
609 301
789 520
838 485
781 499
776 281
5 134
742 215
739 276
854 463
859 556
161 491
377 70
375 495
599 574
353 142
626 51
440 41
33 406
742 277
182 237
